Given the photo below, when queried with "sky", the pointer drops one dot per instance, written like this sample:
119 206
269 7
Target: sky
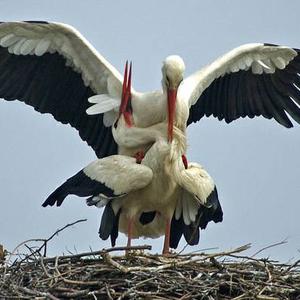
255 163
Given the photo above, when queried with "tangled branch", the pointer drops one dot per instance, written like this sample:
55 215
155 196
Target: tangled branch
139 275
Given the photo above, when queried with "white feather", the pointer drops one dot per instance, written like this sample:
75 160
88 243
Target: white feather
242 65
10 50
17 46
94 109
178 210
263 64
279 62
248 60
185 210
42 47
27 47
98 201
270 67
235 68
257 68
197 181
120 173
105 100
109 118
103 103
8 40
193 206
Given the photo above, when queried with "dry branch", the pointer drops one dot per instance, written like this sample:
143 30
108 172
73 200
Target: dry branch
140 275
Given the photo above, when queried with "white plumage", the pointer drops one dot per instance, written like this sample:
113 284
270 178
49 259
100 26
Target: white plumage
119 173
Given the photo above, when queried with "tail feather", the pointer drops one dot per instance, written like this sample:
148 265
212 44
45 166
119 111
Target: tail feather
107 222
109 226
176 232
191 234
211 212
115 230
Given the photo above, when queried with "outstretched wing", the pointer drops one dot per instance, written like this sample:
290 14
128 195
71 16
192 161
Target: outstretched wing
51 67
249 81
103 179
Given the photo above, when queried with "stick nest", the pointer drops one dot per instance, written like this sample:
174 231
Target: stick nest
140 275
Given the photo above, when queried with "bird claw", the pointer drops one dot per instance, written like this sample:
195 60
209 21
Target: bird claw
97 201
139 156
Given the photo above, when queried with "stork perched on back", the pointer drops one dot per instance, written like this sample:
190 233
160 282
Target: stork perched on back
51 67
158 194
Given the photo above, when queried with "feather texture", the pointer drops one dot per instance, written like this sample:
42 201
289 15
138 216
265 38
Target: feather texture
245 83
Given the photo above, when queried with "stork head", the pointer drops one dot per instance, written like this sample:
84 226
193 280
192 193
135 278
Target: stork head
172 70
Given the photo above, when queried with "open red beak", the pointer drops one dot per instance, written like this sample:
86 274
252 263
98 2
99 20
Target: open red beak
172 94
125 107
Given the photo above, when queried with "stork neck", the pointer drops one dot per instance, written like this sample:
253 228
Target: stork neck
174 164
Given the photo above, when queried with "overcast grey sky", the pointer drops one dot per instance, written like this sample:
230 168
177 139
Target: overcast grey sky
255 163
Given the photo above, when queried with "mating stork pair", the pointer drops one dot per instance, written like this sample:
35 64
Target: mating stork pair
51 67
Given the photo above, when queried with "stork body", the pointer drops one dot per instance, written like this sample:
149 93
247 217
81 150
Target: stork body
176 186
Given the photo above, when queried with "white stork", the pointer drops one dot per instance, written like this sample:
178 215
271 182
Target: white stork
51 67
146 199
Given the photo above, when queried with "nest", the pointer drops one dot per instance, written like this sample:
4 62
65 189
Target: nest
140 275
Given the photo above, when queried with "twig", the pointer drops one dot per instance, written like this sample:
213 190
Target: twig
270 246
108 292
99 252
129 291
58 231
108 259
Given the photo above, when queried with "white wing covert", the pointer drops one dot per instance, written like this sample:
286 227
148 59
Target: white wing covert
119 173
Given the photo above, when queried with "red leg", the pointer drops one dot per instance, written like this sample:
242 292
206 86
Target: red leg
129 233
166 249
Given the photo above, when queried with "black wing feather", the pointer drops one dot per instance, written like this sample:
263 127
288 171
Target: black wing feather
245 94
47 84
80 185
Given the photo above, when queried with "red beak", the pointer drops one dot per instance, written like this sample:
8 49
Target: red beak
125 107
172 95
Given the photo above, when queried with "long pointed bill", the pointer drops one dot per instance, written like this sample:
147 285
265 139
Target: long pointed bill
125 106
172 94
124 88
128 110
